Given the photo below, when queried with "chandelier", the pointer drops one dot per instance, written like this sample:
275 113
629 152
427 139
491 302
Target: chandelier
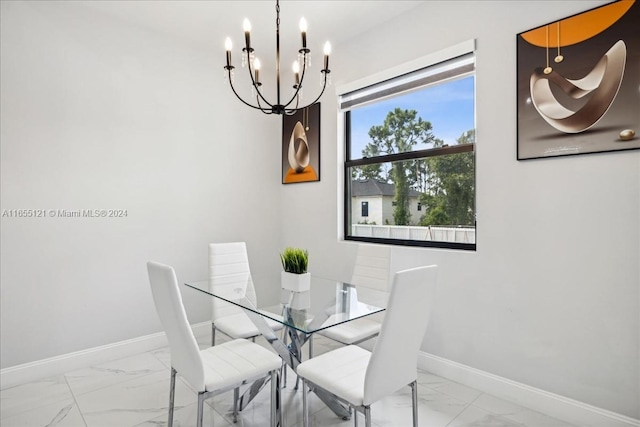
281 106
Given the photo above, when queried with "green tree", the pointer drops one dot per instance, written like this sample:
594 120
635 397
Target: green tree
450 199
375 171
399 133
401 212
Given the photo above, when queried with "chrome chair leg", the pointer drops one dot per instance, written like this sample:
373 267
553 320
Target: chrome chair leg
310 339
284 364
354 414
280 404
414 402
367 416
236 397
172 395
305 407
201 397
276 413
283 374
297 377
213 334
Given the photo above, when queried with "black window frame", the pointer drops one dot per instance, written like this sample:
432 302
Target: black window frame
412 155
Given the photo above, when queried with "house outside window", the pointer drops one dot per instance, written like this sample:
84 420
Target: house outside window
410 154
379 196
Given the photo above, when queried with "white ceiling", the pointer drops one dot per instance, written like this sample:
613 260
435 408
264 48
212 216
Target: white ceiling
204 25
208 23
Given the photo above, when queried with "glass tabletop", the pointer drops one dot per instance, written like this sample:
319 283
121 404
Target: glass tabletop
327 303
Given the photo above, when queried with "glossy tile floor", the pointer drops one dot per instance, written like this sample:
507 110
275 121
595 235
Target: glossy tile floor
134 391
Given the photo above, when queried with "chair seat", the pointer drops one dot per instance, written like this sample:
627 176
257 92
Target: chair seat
240 326
340 372
352 332
231 363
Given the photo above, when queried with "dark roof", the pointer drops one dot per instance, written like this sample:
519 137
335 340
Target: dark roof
371 187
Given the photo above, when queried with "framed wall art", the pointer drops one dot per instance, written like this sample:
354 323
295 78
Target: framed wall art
301 146
578 83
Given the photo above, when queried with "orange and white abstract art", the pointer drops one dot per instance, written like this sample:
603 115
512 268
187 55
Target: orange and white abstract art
579 83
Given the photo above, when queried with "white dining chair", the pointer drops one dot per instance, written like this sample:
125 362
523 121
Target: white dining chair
371 270
360 378
213 370
229 262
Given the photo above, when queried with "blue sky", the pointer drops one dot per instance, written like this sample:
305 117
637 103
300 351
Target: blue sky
449 107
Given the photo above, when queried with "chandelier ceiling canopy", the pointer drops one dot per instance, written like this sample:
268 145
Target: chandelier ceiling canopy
289 102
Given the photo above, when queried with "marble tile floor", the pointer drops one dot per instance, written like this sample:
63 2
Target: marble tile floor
134 392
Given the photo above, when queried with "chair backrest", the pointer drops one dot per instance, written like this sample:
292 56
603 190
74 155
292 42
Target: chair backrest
394 359
185 354
228 264
371 267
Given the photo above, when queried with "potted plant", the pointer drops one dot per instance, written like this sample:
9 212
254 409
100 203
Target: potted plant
294 275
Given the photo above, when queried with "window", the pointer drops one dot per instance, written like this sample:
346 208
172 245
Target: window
365 209
410 144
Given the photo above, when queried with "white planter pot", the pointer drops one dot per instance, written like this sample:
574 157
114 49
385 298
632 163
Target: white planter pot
295 282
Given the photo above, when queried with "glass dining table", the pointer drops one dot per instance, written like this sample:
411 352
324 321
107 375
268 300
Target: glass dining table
327 303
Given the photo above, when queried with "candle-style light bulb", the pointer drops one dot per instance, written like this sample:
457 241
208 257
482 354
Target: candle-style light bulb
327 48
296 71
228 46
246 25
303 32
327 52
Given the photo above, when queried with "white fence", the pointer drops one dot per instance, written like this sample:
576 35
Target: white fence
403 232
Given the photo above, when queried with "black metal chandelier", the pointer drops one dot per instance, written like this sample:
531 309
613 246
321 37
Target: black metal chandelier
291 105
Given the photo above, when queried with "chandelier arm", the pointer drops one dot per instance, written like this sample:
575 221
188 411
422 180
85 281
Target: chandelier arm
324 86
240 98
253 81
295 96
299 85
294 110
264 109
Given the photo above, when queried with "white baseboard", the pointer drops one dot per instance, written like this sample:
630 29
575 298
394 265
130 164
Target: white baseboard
34 371
563 408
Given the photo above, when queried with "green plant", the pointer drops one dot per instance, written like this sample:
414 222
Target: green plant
295 260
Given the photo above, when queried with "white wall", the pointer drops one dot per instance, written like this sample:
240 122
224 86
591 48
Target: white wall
98 114
556 307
